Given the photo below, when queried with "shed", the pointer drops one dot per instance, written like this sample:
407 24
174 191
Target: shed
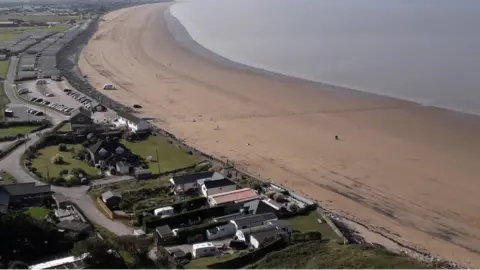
123 167
258 239
203 250
164 211
164 233
60 200
177 253
111 198
138 233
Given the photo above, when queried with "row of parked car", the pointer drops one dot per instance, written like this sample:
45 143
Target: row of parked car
35 112
78 97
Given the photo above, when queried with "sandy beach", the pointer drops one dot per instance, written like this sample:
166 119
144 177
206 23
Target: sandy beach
408 170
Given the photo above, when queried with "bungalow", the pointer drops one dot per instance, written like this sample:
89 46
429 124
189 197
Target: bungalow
249 221
108 152
212 187
243 195
132 122
74 228
111 198
237 222
80 119
189 182
279 228
25 194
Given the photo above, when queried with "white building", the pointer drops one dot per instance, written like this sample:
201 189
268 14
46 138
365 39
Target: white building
275 227
212 187
164 211
70 262
131 122
204 250
189 182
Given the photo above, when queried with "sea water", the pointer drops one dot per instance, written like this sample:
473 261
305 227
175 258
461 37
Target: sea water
426 51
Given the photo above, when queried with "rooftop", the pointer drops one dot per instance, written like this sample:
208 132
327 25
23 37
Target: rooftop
59 197
26 189
247 220
109 194
164 230
239 195
195 177
230 217
218 183
203 245
58 262
130 117
74 226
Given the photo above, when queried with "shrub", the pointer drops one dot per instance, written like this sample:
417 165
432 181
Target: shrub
58 159
72 180
58 181
77 171
292 207
62 172
33 170
28 163
188 256
85 144
62 147
29 155
279 197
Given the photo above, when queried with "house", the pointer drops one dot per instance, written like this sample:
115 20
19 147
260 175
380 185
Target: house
71 262
212 187
250 221
204 250
80 118
258 239
132 122
189 182
60 200
177 254
280 228
123 167
108 152
74 228
243 195
164 233
25 194
141 173
112 198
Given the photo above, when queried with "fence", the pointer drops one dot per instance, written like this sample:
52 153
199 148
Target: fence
105 209
332 225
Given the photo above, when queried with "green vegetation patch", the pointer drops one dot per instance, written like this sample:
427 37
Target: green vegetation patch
40 18
171 157
309 223
38 213
3 69
316 254
12 131
202 263
66 127
7 178
43 161
8 33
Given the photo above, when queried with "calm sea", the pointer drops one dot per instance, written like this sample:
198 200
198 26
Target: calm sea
426 51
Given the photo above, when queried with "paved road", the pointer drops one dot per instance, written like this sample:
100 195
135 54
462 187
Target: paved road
11 164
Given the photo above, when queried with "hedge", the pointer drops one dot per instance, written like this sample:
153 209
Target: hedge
152 222
249 258
192 204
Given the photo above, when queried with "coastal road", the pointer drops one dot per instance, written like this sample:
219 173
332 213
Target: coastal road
78 195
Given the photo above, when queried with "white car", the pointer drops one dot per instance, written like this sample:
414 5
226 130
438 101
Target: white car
23 91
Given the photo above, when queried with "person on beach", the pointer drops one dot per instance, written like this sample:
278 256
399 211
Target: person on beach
336 137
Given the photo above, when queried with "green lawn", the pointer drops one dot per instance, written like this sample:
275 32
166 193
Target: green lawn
38 213
8 33
39 18
3 69
66 127
7 178
171 157
11 131
202 263
318 255
43 161
308 223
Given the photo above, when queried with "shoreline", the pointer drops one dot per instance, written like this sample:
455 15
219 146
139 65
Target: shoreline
266 116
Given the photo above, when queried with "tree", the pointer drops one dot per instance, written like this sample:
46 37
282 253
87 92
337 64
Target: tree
188 256
63 172
58 159
100 253
77 171
62 147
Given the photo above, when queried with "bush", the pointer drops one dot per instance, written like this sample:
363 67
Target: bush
279 197
292 207
58 159
58 181
29 155
72 180
62 172
62 147
188 256
28 163
33 170
85 144
77 172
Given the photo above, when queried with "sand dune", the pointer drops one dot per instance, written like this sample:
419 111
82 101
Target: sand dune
412 171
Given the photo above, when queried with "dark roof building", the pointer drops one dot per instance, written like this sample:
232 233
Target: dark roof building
164 232
218 183
196 177
74 226
24 189
253 220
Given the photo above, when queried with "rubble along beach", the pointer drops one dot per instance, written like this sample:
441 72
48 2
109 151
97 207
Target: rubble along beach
408 169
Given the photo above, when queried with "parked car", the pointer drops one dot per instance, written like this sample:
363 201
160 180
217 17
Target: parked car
66 90
38 113
38 100
52 105
23 91
69 110
33 99
46 102
31 111
137 106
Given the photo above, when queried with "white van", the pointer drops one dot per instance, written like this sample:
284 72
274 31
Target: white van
164 211
23 91
41 81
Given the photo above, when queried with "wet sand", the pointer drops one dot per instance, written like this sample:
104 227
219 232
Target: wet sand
409 171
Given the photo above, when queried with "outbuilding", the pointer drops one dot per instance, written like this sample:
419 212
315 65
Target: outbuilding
204 250
164 211
212 187
111 198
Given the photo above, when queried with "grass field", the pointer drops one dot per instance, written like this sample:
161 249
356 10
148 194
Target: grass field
202 263
7 178
40 18
3 69
309 223
315 254
8 33
171 157
12 131
43 161
38 213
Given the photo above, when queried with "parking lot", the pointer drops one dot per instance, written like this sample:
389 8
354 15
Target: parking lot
60 96
20 113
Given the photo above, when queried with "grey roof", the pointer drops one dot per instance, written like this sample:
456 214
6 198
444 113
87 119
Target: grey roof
218 183
74 226
129 116
230 217
247 220
82 111
123 164
263 208
58 197
258 229
110 194
264 235
280 223
177 253
164 231
26 189
191 178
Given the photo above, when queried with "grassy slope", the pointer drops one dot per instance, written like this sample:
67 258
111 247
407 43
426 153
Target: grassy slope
11 131
317 254
66 127
44 160
202 263
3 69
7 178
171 157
